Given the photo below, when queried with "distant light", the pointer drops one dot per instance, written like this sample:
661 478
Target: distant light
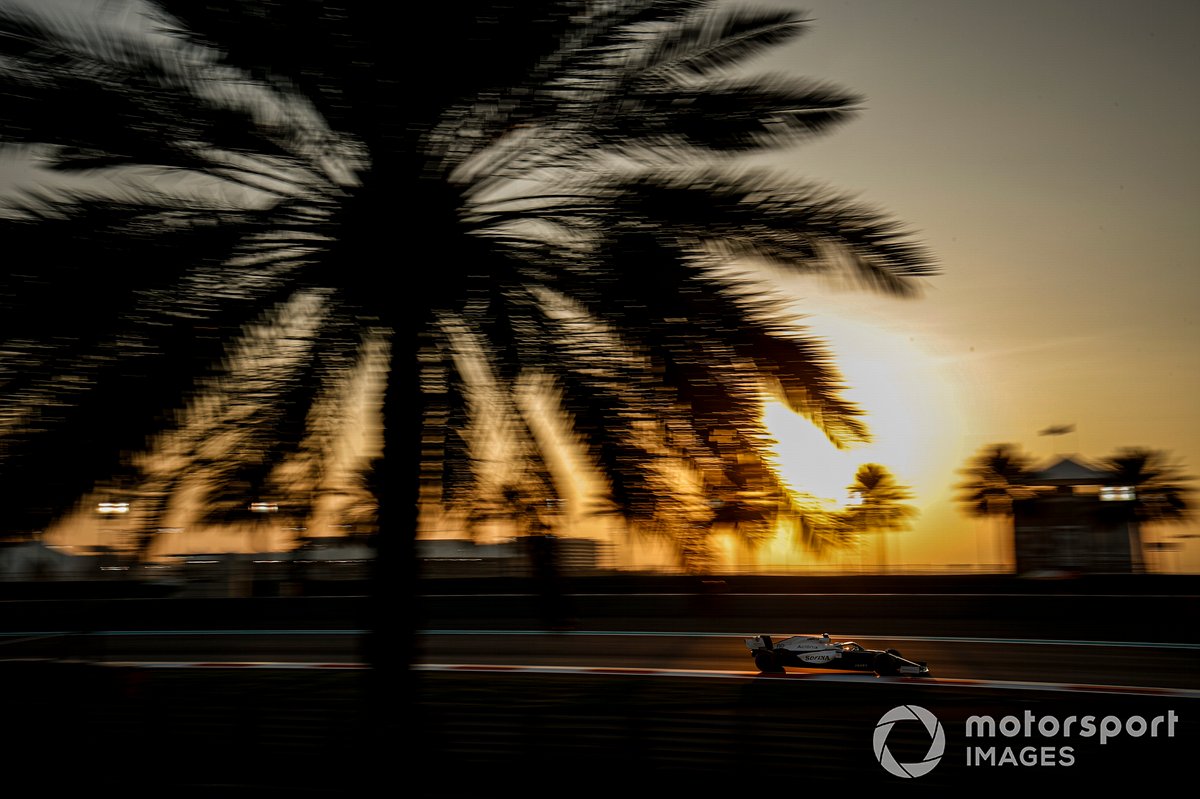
855 498
1117 493
113 507
263 507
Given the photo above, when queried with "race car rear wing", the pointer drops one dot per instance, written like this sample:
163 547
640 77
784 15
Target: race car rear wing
759 642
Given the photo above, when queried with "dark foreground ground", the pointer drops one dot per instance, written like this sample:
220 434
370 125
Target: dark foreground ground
216 732
75 728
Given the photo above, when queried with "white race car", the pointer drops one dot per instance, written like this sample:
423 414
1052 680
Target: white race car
819 652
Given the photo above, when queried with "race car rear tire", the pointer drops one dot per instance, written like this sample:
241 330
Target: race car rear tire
767 662
885 665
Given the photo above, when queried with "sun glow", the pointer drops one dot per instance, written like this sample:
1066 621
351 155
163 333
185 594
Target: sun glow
909 400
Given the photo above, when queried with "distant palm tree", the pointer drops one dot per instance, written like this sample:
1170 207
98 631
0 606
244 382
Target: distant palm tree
996 476
878 506
1159 485
1160 490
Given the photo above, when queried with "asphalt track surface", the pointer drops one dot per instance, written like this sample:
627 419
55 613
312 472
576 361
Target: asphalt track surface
1090 663
1103 664
1094 639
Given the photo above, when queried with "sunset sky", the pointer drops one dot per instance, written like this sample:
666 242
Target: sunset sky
1047 153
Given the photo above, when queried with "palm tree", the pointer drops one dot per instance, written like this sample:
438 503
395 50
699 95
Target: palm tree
878 505
560 214
253 208
1160 493
996 476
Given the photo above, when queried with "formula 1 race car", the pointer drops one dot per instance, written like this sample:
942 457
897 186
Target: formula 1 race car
822 653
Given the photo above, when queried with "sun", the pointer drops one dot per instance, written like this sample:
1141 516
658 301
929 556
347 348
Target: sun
911 409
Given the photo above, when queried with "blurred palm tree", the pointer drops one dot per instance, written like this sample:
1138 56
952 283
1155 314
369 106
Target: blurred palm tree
252 218
1160 490
1159 484
877 506
274 209
996 476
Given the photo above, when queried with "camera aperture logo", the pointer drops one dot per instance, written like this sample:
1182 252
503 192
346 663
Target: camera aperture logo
937 745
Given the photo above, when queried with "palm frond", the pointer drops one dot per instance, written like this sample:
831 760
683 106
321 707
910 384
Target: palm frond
710 43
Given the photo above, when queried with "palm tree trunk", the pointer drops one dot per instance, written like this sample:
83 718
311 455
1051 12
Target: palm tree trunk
390 186
392 617
392 612
1137 560
402 216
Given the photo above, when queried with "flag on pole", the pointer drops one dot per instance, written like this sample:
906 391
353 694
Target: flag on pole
1057 430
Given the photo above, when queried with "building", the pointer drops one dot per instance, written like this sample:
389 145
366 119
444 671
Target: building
1076 521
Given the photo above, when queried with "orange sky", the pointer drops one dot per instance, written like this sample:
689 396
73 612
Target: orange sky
1046 153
